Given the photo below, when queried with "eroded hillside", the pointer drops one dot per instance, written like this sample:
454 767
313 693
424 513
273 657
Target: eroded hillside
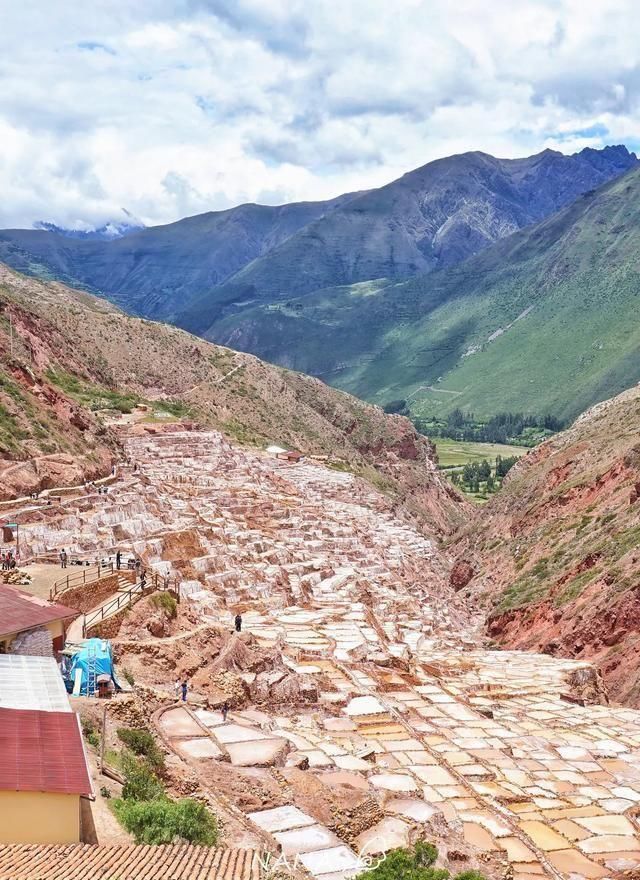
556 552
70 359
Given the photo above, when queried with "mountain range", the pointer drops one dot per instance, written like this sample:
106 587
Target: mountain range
472 281
159 270
544 321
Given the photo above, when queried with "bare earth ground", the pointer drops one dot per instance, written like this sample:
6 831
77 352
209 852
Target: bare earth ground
364 710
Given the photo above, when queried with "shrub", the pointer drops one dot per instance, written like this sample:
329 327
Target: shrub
141 783
128 677
165 821
166 603
90 733
141 742
414 864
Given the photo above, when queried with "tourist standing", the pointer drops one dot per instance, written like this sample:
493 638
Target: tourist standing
238 622
118 559
184 687
224 709
176 689
63 558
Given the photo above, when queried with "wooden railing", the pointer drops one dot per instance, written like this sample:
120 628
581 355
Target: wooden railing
80 577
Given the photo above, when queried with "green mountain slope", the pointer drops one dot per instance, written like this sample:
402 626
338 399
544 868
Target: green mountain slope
192 271
431 218
156 271
543 321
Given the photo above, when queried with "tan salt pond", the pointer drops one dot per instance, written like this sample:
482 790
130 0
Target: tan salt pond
393 782
411 808
353 780
479 837
543 836
258 753
281 818
178 722
202 747
388 834
307 839
573 863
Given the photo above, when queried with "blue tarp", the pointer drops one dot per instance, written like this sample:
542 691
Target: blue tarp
101 649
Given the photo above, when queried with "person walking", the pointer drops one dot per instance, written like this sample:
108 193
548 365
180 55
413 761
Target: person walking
63 558
224 709
238 623
184 687
176 689
118 559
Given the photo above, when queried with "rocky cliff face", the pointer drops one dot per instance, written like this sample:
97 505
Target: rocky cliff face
555 555
70 361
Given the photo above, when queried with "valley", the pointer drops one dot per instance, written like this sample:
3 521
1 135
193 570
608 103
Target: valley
542 322
340 632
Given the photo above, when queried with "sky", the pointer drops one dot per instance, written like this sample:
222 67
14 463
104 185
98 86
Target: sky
167 109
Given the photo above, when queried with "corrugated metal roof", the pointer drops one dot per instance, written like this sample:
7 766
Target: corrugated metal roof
42 751
32 683
167 862
21 611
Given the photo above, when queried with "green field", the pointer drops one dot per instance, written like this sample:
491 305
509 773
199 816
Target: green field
456 453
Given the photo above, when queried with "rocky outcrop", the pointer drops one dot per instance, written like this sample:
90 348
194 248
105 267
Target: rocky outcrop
461 573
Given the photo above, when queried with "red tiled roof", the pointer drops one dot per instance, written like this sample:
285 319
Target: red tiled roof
42 751
167 862
20 611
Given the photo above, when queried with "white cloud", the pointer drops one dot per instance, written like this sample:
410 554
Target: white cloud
172 108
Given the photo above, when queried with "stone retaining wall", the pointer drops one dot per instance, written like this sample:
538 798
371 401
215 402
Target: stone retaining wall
84 597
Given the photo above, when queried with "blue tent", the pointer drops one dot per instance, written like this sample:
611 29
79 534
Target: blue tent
93 659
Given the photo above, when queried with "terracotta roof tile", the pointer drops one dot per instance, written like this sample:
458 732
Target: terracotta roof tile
42 751
87 862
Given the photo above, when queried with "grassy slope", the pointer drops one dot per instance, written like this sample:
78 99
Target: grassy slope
576 274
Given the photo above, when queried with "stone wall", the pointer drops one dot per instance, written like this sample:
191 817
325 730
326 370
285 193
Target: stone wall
109 628
84 597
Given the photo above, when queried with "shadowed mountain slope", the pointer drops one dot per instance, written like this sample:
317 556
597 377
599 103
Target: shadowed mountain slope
433 217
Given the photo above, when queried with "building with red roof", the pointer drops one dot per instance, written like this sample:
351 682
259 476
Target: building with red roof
22 612
43 774
43 764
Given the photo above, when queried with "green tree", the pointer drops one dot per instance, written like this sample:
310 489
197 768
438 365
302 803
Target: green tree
141 742
484 469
